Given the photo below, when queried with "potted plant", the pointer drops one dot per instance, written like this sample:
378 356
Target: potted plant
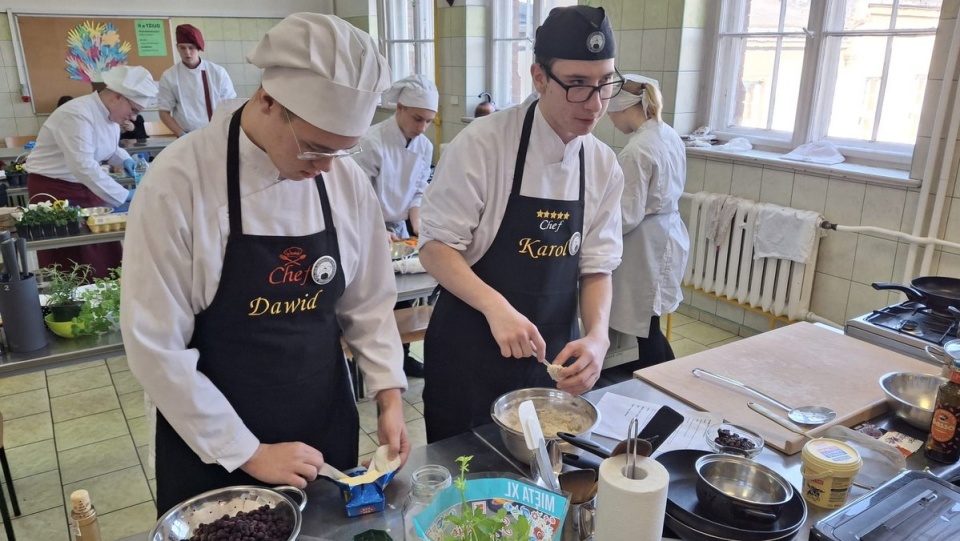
16 174
100 311
62 298
66 219
48 219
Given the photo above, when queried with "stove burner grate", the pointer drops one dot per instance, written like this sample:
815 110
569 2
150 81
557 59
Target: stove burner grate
917 320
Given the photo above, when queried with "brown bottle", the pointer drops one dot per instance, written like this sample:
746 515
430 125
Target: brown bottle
84 523
943 445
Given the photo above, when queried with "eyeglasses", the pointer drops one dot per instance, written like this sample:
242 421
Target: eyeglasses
582 93
312 155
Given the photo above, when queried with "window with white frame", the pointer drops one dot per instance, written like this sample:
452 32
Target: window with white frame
514 24
852 72
406 27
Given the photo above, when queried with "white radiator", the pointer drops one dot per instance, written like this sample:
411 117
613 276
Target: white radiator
728 269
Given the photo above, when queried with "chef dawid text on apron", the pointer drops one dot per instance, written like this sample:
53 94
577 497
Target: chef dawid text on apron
521 221
253 248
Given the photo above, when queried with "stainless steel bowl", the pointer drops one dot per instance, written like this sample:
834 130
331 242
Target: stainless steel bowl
543 399
739 491
181 521
912 395
400 250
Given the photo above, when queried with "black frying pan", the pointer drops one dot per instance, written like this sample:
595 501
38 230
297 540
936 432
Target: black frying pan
936 292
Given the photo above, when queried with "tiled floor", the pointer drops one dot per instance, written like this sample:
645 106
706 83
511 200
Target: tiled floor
84 427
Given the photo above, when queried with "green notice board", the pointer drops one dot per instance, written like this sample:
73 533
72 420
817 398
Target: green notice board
151 37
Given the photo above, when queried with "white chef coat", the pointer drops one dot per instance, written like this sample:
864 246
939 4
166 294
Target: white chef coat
174 248
465 202
399 172
655 241
73 141
181 92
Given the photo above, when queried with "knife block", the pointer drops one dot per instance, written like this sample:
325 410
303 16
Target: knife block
22 318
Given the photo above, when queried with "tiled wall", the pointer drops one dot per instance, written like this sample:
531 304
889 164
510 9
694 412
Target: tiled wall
227 41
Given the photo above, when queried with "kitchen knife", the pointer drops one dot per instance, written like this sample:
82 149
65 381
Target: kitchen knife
780 420
22 253
585 444
661 425
8 249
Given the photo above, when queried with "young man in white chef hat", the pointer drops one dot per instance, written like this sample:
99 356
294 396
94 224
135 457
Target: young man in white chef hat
520 223
396 156
70 146
270 248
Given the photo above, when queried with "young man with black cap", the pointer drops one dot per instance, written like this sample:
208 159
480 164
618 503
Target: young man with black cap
270 247
191 90
522 221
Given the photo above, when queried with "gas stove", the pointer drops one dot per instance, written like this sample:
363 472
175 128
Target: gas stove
906 328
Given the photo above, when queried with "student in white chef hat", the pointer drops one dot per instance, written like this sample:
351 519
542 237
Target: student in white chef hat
646 285
397 157
254 250
72 143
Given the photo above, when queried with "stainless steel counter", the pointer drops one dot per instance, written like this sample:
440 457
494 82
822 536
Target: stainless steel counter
324 518
62 352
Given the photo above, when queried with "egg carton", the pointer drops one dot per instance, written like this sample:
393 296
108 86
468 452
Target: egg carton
102 223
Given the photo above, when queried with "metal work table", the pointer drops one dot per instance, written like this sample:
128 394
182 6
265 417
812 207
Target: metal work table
66 351
153 144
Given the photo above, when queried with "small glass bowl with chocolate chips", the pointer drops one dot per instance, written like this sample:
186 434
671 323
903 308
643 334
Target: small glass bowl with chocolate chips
733 440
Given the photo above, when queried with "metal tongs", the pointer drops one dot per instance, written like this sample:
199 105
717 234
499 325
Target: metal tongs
633 440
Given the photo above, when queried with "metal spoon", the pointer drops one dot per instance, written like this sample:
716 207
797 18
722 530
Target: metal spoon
805 415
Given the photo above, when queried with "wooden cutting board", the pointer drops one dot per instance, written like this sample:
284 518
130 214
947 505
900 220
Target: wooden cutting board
800 365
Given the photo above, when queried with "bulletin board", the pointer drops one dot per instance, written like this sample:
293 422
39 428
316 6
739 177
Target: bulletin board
65 55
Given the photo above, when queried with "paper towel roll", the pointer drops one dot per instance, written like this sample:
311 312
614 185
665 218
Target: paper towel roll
631 509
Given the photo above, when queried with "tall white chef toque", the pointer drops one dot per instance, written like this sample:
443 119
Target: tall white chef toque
414 91
625 100
324 70
132 82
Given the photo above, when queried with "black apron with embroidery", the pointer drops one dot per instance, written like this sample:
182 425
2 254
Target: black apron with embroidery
270 341
534 263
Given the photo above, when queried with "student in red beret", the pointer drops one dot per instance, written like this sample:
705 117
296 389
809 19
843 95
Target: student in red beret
191 90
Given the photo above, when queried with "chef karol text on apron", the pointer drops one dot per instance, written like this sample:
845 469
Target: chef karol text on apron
521 222
271 250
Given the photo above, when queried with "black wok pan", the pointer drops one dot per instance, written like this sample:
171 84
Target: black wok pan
936 292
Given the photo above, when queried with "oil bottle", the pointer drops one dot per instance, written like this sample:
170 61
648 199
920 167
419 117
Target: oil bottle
83 524
943 444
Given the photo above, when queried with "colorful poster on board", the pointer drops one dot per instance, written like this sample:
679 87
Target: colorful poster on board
93 48
151 40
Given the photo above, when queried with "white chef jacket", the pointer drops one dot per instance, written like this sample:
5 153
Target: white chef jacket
399 172
466 201
174 248
181 92
73 141
655 241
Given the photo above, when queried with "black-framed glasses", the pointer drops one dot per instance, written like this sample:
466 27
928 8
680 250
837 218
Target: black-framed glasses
582 93
313 155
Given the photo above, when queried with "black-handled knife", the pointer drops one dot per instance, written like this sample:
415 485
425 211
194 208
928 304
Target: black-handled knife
8 249
661 425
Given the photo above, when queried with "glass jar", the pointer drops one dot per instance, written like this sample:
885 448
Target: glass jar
425 483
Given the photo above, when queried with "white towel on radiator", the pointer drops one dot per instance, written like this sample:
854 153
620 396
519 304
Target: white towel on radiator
711 211
721 213
785 233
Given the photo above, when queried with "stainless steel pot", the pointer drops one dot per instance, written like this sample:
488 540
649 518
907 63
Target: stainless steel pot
948 356
182 521
740 491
